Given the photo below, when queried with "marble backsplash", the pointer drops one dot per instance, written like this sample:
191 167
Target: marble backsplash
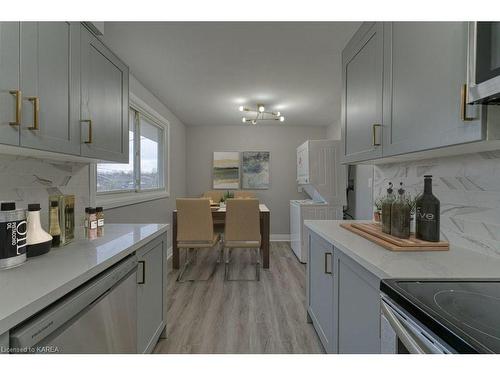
468 187
28 180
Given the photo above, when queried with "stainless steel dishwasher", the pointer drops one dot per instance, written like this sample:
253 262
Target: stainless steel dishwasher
98 317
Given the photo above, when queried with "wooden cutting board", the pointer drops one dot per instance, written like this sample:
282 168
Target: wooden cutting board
373 232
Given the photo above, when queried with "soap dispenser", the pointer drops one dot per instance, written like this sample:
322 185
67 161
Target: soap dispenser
400 215
386 209
38 241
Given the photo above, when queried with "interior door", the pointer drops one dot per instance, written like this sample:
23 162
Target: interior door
104 101
50 82
9 83
425 70
362 63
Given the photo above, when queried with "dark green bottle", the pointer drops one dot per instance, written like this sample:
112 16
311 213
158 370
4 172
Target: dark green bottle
400 215
427 212
386 210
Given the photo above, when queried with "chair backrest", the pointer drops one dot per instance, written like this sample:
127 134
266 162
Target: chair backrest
194 219
241 194
242 220
214 195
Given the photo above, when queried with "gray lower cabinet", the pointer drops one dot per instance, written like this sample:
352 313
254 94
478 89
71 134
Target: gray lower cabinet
50 83
151 290
425 66
358 304
9 83
320 291
104 101
362 105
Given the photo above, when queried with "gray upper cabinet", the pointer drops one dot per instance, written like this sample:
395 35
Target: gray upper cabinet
50 83
10 114
104 101
424 72
362 68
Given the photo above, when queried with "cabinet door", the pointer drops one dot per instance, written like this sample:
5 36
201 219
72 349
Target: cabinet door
320 290
362 63
104 101
150 298
50 82
358 309
425 69
9 82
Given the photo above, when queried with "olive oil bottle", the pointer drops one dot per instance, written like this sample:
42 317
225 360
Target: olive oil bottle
386 209
427 212
400 215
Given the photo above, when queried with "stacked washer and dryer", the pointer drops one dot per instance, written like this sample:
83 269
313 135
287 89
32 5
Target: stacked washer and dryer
321 176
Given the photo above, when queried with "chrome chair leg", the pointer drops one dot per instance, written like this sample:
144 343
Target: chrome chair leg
188 262
227 267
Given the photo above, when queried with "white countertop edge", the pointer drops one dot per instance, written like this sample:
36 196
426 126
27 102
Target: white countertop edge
361 261
45 300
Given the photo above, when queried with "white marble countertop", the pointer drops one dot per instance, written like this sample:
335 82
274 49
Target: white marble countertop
39 281
458 262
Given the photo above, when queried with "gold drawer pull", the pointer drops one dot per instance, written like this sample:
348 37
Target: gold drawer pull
374 134
36 112
19 97
463 106
89 139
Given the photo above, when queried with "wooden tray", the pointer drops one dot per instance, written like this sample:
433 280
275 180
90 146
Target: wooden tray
373 232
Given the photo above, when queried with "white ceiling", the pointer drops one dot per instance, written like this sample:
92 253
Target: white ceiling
204 71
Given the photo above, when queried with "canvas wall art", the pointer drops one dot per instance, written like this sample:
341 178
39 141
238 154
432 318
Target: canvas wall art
255 167
226 170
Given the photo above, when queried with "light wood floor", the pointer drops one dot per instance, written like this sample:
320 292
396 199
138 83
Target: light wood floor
268 316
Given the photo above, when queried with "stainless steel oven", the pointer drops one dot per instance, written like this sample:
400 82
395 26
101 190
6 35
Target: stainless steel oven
484 63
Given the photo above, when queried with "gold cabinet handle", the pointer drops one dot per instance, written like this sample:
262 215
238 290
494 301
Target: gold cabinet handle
19 102
89 139
463 106
374 134
36 112
327 262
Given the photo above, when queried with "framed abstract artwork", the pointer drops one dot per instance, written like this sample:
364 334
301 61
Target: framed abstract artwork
226 170
255 170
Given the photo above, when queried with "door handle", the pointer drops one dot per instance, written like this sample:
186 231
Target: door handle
374 134
463 105
143 264
35 100
19 102
89 139
327 263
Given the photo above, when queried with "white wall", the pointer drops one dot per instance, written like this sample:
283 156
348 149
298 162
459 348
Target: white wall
333 130
160 210
280 140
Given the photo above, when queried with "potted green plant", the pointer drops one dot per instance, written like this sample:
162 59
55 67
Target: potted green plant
377 213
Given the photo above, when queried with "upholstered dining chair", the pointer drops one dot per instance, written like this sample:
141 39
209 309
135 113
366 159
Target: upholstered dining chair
195 231
241 194
242 231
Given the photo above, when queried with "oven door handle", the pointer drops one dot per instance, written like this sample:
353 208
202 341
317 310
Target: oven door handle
401 332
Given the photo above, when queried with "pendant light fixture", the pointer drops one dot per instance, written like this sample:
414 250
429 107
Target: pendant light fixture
260 114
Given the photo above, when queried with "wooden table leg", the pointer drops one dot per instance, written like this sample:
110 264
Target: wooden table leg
265 230
175 249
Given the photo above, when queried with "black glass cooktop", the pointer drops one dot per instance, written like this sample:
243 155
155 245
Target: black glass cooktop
464 313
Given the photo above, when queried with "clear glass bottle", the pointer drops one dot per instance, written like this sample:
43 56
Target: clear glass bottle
427 212
386 209
54 227
100 221
400 215
92 229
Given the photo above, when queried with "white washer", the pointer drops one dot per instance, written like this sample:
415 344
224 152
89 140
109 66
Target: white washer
308 209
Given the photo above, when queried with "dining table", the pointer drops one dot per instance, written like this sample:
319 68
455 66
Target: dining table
219 217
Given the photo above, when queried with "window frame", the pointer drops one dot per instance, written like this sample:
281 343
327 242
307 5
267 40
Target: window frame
119 198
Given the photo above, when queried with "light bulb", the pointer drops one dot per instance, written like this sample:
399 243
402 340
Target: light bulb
261 108
278 113
241 108
282 118
254 122
243 119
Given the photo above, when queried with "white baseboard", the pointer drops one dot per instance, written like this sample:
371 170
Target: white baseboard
280 237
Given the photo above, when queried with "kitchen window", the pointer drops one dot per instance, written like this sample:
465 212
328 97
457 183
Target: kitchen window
145 176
